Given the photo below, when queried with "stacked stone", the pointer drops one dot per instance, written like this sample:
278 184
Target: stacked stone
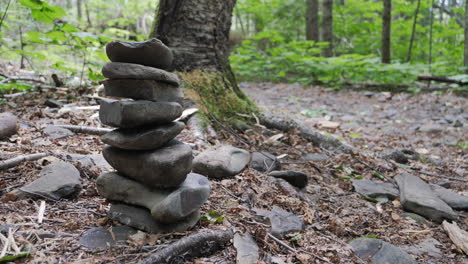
153 169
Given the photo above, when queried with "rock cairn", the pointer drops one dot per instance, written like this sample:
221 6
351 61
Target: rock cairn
152 184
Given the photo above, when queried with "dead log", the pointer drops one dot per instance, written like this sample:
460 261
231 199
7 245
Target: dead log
200 244
10 163
87 130
443 79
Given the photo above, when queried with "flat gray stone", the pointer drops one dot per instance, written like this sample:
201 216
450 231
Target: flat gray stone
166 205
128 114
427 247
8 124
282 222
122 70
431 128
264 161
380 252
376 189
100 238
55 132
247 249
417 196
57 180
316 157
164 167
453 199
295 178
140 218
143 138
151 53
87 161
143 90
221 162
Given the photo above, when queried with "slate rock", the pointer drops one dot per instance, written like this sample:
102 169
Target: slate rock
166 205
8 124
247 249
295 178
101 237
122 70
417 196
431 128
140 218
316 157
55 132
417 218
376 189
164 167
143 90
143 138
264 161
129 114
282 222
380 252
453 199
221 162
57 180
426 247
87 161
151 53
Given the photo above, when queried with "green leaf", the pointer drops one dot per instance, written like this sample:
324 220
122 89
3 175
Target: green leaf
33 4
378 175
296 238
14 257
48 13
368 236
355 135
213 217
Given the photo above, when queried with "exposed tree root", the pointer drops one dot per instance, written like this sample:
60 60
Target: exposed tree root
200 244
10 163
87 130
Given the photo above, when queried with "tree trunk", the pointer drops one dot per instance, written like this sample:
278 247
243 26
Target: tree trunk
465 57
386 31
413 31
327 27
312 20
79 9
197 31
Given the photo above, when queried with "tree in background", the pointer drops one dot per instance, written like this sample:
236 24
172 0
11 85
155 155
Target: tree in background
413 31
197 31
312 21
386 31
327 27
465 58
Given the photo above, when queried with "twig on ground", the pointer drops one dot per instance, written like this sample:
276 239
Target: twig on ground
10 163
440 176
87 130
200 244
297 251
41 211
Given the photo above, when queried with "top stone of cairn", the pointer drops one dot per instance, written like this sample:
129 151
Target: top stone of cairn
151 53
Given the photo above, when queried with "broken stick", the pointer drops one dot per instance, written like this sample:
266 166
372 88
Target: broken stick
87 130
200 244
10 163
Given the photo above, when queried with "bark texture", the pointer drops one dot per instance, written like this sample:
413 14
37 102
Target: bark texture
197 31
312 21
327 27
386 31
413 31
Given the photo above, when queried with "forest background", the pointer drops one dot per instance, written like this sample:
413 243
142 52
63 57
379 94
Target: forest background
326 42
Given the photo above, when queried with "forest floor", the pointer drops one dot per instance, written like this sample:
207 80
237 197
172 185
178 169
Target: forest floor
435 126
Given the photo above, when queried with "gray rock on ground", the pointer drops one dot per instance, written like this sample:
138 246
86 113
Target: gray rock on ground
100 238
380 252
8 124
57 180
164 167
316 157
247 249
122 70
282 222
417 196
140 218
264 161
143 90
143 138
151 53
295 178
453 199
376 189
166 205
55 132
428 247
87 161
221 162
128 114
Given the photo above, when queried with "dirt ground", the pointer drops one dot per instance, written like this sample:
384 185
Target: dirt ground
435 126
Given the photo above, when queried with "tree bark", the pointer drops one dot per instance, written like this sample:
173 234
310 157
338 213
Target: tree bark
413 31
79 9
327 27
386 31
312 21
465 57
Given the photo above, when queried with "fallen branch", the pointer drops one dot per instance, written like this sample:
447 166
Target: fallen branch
10 163
443 79
200 244
87 130
440 176
458 236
